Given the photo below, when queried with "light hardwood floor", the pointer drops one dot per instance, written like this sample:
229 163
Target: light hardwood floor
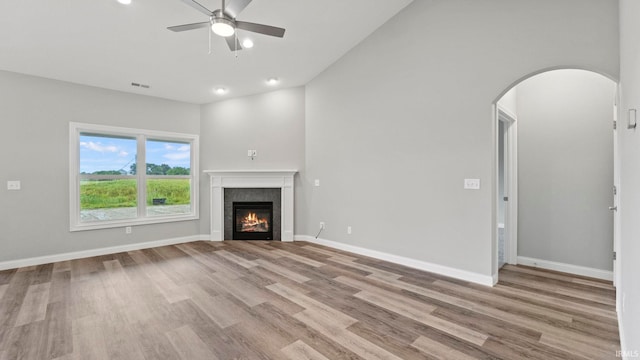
273 300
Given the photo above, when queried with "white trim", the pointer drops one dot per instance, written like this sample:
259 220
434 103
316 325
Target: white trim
511 185
141 136
221 179
507 112
617 273
623 342
40 260
566 268
401 260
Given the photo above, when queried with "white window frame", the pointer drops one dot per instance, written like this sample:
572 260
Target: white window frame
75 129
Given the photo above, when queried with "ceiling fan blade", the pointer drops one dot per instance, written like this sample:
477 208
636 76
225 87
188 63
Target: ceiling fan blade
233 42
260 29
196 5
234 7
189 26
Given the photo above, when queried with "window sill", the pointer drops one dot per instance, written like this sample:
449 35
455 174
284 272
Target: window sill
133 222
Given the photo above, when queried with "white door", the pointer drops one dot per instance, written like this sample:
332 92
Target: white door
502 191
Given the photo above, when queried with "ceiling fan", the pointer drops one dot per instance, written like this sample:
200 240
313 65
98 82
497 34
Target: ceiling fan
223 22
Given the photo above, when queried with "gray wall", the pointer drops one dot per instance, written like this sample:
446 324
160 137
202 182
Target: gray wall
629 207
565 168
34 143
271 123
394 126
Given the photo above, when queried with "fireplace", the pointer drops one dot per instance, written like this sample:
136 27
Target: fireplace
228 186
252 220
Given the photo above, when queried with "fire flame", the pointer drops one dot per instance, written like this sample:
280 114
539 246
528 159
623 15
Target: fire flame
251 222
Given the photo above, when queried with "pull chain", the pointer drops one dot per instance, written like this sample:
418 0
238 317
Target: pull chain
210 31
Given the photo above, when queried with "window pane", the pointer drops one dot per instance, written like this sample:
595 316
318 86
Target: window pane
107 155
104 200
168 196
168 157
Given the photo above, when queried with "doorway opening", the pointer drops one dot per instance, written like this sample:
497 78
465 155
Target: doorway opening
554 174
507 187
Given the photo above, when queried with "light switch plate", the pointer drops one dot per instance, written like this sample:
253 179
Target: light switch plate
317 182
249 152
472 184
13 185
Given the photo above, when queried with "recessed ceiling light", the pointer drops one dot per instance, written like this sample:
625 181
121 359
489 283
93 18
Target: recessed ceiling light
273 81
124 2
220 91
247 43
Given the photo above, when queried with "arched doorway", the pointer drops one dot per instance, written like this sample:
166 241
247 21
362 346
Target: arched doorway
555 173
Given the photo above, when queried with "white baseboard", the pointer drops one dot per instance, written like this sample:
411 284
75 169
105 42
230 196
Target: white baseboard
567 268
486 280
623 347
494 279
14 264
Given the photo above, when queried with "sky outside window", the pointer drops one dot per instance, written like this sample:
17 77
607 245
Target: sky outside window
101 153
174 154
105 153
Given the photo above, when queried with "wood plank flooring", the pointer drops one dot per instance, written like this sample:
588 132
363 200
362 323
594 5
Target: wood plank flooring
274 300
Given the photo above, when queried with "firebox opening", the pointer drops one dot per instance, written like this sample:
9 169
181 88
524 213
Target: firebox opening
253 220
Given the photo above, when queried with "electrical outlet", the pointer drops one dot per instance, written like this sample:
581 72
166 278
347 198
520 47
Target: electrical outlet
348 230
127 230
254 152
322 225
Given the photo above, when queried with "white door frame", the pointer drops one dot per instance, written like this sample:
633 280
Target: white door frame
616 197
510 186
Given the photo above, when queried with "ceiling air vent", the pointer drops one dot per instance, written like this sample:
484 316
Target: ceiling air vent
144 86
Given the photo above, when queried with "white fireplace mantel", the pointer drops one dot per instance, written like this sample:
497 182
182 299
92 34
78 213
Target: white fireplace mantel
221 179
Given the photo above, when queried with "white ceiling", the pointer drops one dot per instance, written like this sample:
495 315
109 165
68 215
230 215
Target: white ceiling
105 44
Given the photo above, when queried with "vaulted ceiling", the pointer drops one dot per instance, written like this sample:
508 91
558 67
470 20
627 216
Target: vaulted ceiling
106 44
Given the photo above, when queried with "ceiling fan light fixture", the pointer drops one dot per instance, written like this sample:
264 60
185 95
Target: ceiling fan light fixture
273 81
124 2
220 91
222 27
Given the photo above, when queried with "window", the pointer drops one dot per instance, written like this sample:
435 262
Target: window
107 189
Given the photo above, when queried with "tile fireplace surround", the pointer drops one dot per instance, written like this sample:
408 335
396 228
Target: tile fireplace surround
221 179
